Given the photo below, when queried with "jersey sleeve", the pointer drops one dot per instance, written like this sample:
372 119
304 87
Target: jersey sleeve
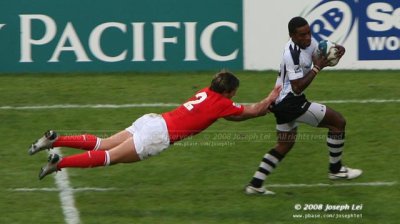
231 109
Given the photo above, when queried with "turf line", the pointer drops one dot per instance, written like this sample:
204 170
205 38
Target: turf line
134 105
53 189
71 213
318 185
367 184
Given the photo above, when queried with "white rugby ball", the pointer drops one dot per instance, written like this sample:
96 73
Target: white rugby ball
328 49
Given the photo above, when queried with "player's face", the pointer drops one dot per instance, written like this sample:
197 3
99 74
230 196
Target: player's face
302 36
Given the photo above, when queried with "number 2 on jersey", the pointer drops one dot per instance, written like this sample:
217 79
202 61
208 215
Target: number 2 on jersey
200 98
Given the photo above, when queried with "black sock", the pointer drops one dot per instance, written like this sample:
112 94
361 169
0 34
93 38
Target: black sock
267 165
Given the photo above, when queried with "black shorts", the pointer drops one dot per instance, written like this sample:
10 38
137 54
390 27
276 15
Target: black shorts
290 108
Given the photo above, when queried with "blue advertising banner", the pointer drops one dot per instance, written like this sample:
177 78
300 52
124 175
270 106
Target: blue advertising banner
332 20
379 30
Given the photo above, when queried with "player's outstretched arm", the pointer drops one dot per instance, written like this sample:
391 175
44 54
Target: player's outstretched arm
257 109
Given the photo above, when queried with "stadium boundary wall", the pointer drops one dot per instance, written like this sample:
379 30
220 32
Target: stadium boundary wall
179 35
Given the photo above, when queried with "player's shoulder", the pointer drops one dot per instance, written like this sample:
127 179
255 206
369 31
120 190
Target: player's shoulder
211 93
219 99
204 92
291 54
205 89
212 98
290 44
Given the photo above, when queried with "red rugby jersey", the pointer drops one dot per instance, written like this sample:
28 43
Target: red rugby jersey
199 112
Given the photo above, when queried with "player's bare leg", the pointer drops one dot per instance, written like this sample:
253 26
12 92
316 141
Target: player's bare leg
114 140
124 153
336 125
286 141
334 121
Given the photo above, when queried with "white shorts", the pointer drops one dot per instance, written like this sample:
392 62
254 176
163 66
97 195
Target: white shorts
313 116
150 135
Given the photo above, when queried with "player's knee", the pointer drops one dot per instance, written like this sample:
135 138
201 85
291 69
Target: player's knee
341 123
106 143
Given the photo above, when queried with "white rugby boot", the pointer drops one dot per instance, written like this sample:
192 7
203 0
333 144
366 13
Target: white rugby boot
346 173
257 190
45 142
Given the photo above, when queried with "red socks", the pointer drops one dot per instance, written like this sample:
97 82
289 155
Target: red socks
85 142
85 160
89 142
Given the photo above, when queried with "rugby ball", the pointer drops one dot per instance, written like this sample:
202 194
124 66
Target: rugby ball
328 49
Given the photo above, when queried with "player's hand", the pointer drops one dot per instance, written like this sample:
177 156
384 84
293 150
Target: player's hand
273 95
320 61
341 50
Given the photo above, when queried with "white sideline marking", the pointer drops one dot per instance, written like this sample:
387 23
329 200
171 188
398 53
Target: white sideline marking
360 101
52 189
83 106
134 105
71 213
367 184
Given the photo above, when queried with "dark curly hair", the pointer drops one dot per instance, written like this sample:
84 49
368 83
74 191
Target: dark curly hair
224 81
295 23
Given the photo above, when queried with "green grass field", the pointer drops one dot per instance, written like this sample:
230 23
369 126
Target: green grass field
200 180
